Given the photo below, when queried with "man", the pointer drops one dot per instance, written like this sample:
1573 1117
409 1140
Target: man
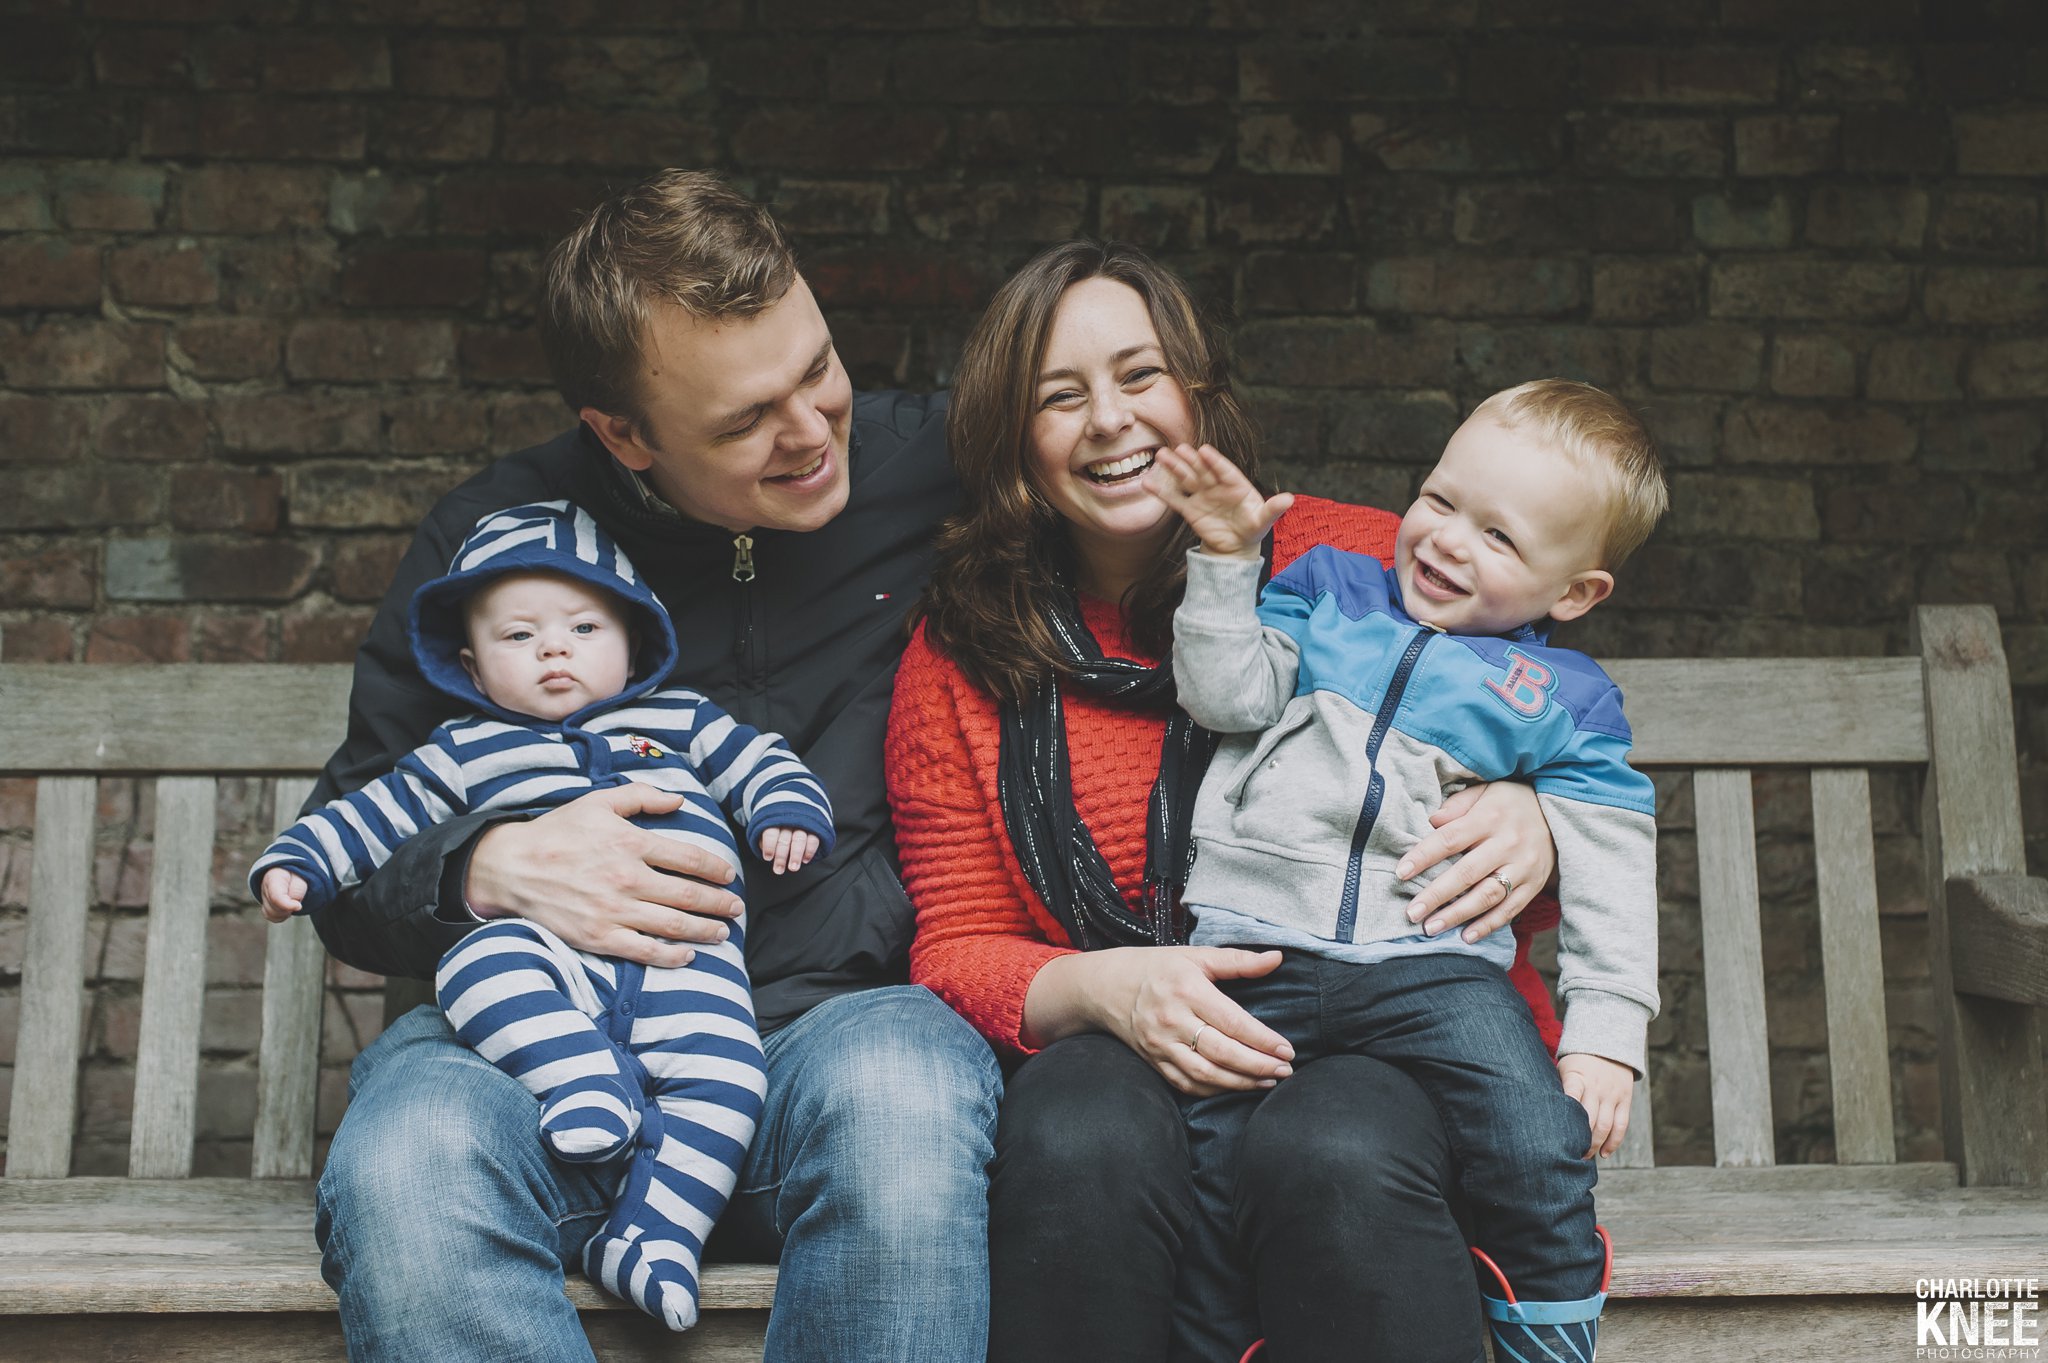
784 522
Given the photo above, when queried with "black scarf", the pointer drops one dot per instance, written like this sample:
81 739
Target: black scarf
1035 782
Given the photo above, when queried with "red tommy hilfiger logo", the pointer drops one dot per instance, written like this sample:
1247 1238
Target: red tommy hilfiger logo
1526 688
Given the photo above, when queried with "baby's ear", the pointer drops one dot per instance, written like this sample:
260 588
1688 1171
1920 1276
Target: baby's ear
1586 591
468 657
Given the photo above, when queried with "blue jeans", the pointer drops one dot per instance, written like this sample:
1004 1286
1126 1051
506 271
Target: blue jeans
444 1226
1456 1026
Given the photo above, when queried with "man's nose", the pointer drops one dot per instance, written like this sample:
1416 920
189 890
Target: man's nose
811 428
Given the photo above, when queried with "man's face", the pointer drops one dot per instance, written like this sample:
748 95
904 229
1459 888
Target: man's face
746 419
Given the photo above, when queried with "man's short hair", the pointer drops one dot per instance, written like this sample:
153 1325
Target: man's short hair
682 237
1598 432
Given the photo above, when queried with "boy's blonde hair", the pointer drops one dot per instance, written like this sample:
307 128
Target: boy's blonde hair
1596 431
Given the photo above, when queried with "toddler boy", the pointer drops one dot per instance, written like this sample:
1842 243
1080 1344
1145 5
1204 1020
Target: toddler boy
1352 703
545 632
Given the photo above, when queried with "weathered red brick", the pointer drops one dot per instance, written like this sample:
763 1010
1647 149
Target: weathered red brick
162 273
493 205
154 428
1300 211
1886 141
451 68
365 497
1895 513
1353 352
82 124
1290 71
1044 210
42 639
1862 291
2006 142
412 277
564 136
1460 286
522 419
1998 440
24 195
253 128
1746 220
501 355
1078 141
434 130
78 496
1639 75
360 567
1627 290
43 430
327 60
293 275
83 354
215 348
225 499
228 636
875 139
363 351
240 569
1980 224
1459 144
375 202
1859 216
2010 369
1662 147
638 69
1706 506
1999 297
1289 144
285 424
249 199
1294 282
1831 73
1550 216
1915 369
899 276
110 197
1499 356
58 576
1812 366
438 423
1715 358
832 207
1802 433
323 636
1157 217
48 272
1786 144
138 639
148 58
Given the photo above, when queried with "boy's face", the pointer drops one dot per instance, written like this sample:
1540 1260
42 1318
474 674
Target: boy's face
546 646
1506 530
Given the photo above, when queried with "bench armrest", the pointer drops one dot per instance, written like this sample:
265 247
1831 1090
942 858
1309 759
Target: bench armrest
1998 937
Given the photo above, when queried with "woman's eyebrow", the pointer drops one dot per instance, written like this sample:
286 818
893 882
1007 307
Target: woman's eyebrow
1115 359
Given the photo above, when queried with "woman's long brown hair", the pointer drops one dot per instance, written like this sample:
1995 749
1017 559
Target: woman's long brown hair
1002 558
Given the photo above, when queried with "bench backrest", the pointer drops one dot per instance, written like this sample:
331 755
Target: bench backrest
1947 709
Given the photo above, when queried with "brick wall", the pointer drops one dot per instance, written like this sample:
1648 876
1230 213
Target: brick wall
266 275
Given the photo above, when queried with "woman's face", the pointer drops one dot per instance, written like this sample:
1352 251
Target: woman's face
1104 404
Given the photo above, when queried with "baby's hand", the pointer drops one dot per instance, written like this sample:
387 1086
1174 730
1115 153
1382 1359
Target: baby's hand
1605 1088
1215 498
284 894
787 849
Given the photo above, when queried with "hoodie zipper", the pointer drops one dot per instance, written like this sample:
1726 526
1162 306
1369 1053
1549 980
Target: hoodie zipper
744 647
1375 786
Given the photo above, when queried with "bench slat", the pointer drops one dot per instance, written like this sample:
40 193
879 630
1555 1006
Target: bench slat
1731 933
45 1102
221 719
1852 966
288 1064
173 979
1717 712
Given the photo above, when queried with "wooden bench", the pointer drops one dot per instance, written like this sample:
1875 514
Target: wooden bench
1746 1258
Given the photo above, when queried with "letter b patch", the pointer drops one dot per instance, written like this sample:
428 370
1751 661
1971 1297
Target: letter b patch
1526 688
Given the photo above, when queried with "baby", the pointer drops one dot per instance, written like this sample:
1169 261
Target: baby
1353 701
543 630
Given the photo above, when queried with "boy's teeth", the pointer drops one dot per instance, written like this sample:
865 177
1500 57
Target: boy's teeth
1120 468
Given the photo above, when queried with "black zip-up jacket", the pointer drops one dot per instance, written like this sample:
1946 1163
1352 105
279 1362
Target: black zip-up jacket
808 649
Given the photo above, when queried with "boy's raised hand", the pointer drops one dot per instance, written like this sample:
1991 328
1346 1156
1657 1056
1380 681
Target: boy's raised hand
284 893
1605 1088
1215 498
787 849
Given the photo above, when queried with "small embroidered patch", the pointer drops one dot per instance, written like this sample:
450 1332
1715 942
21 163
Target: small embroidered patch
645 747
1525 689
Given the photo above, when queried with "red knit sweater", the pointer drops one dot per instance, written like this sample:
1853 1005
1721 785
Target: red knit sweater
982 933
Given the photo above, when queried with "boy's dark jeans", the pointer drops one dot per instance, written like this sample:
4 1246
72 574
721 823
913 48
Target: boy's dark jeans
1459 1029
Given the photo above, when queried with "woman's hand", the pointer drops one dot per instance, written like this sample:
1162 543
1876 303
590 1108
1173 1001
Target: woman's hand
1163 1003
603 884
1508 858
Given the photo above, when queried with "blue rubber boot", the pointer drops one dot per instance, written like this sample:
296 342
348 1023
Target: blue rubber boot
1545 1331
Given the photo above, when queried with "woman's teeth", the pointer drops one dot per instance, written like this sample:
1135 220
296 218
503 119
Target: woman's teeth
1116 470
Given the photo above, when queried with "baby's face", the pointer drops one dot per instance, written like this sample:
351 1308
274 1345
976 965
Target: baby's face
546 646
1506 530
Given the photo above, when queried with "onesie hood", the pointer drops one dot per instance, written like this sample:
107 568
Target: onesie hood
553 537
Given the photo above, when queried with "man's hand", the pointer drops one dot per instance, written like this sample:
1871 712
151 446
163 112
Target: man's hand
1605 1088
1214 497
284 893
602 884
787 849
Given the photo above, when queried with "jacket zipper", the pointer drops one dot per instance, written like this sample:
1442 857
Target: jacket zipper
744 647
743 558
1375 786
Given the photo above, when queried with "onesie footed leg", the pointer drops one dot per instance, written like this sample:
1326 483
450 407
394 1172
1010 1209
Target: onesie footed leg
1542 1331
656 1274
587 1121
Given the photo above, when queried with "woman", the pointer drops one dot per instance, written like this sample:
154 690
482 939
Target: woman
1041 782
